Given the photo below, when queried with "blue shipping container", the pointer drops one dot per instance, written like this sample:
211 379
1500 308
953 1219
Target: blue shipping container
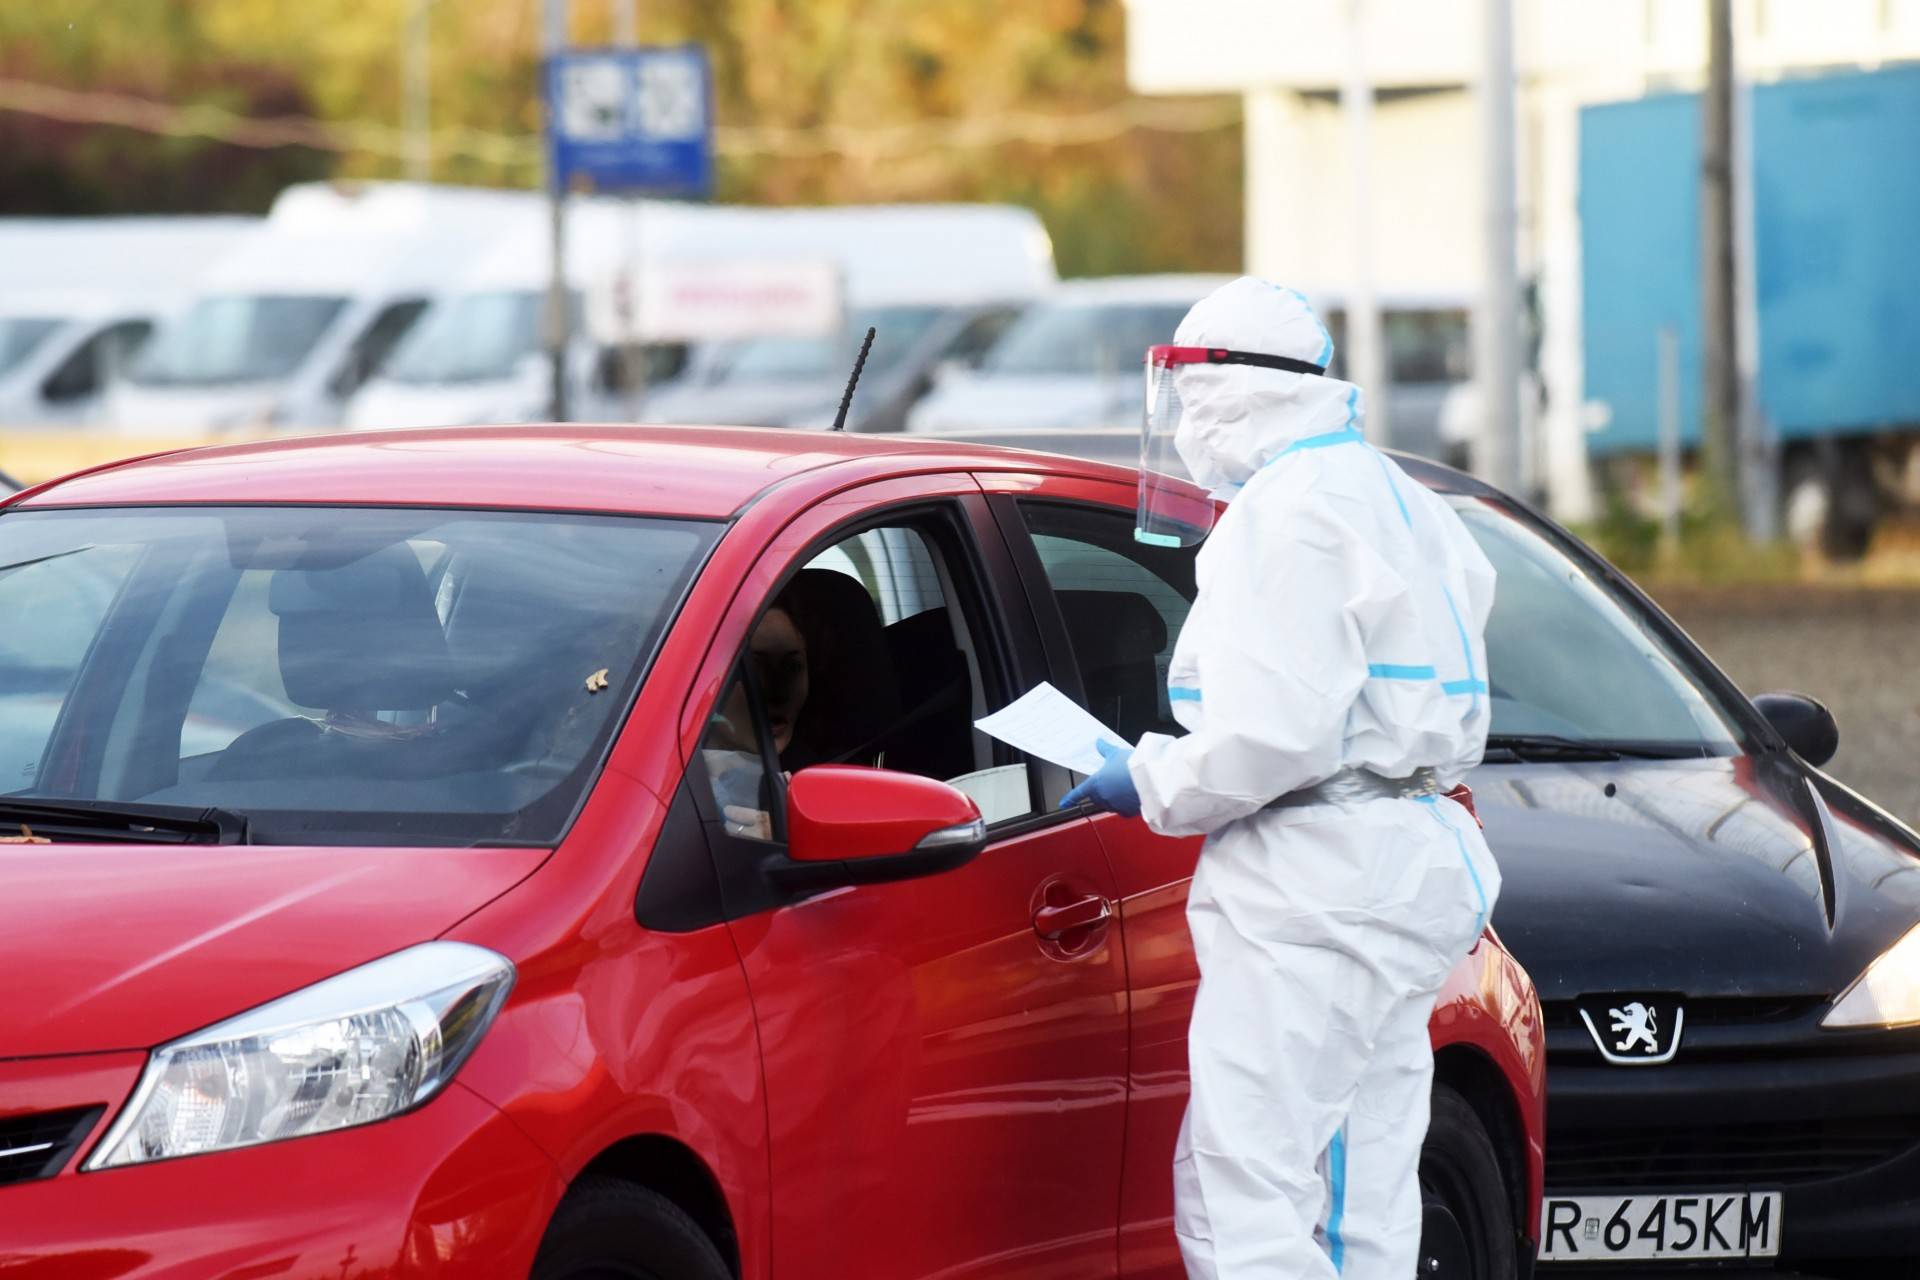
1836 205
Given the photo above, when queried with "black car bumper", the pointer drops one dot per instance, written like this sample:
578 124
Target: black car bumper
1819 1117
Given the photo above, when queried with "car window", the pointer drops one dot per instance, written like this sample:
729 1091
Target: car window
21 336
1123 604
1081 339
56 603
1568 656
1424 345
334 675
979 334
369 351
868 655
239 338
96 361
896 331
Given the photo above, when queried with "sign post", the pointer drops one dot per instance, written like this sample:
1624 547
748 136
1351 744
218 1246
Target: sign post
635 121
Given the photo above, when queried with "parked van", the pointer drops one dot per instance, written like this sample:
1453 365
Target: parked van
479 353
81 296
290 325
938 283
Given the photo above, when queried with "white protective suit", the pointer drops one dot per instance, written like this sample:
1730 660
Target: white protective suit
1339 624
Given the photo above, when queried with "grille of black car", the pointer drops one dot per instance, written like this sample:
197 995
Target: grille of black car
1717 1011
36 1145
1658 1157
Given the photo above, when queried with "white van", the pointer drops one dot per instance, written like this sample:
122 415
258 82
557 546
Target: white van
937 282
479 353
289 326
79 296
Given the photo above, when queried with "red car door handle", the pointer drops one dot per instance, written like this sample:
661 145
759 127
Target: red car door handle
1052 923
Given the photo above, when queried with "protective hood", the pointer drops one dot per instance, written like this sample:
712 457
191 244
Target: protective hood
1237 418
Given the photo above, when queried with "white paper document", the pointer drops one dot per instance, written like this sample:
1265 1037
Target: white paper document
1047 723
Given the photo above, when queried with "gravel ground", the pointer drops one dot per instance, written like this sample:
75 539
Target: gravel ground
1855 649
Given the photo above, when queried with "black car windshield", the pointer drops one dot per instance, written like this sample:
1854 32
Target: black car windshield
1569 658
1083 338
243 338
333 676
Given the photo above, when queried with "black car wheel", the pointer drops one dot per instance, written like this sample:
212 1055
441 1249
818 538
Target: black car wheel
1466 1222
611 1230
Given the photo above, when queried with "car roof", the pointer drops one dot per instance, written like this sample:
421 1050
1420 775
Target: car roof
709 472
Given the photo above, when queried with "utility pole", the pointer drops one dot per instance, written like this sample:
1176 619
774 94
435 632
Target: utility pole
1721 404
632 357
418 93
1365 362
1759 451
1497 354
559 318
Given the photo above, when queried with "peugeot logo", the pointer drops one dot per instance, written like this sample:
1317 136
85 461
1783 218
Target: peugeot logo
1634 1031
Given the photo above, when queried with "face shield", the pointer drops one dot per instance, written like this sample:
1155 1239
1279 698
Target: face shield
1173 511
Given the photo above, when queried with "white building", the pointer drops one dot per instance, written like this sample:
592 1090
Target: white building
1288 58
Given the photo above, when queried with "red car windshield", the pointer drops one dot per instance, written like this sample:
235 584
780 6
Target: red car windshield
331 675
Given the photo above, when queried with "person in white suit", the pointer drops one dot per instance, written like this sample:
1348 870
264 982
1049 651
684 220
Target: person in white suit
1332 679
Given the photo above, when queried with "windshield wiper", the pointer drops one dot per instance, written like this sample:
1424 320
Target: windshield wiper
28 564
1550 746
114 822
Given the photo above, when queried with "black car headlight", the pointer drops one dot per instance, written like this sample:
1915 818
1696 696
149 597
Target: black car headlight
1887 994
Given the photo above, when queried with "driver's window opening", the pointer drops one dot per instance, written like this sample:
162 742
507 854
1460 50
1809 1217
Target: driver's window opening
1123 605
863 657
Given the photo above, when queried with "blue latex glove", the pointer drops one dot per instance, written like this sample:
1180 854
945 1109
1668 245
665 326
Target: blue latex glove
1112 787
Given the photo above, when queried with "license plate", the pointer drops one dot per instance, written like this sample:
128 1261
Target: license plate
1736 1224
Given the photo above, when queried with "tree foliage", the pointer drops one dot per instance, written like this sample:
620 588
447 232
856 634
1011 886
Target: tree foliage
1136 200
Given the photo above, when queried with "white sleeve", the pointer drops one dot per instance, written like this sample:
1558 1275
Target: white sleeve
1280 662
1477 575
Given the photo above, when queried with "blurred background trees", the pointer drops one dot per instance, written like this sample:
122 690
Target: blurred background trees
818 101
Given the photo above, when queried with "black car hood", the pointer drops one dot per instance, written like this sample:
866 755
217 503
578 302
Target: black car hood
1748 876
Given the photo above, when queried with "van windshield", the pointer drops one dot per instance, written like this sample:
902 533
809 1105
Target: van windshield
478 337
1083 339
19 336
391 676
242 338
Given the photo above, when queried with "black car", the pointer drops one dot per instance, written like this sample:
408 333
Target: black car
1723 938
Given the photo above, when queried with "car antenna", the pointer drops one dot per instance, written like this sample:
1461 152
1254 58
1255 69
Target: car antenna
859 363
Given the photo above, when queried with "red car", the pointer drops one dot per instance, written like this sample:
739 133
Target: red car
567 851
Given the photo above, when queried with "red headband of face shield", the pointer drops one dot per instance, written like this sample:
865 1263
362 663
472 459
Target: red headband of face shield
1171 512
1165 356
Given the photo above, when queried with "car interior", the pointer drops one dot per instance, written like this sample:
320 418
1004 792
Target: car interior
894 675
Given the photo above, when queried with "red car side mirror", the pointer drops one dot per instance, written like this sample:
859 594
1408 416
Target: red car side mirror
880 824
1462 795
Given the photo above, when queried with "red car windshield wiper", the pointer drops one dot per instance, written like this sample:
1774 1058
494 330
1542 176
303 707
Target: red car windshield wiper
57 555
113 822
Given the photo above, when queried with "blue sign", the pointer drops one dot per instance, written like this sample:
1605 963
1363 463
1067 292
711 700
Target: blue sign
634 120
